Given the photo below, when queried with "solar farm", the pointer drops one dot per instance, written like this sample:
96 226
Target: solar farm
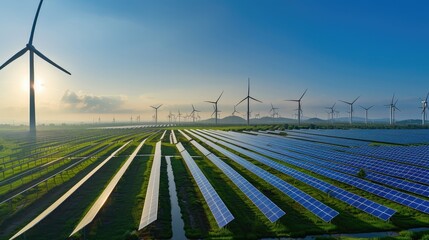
112 183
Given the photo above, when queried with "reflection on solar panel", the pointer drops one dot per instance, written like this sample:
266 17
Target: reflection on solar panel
150 207
66 195
265 205
399 136
185 135
174 137
319 209
390 194
163 134
90 215
218 208
359 202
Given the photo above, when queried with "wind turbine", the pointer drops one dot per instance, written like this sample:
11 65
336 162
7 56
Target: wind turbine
351 108
274 110
393 108
248 101
179 115
29 47
156 112
366 113
299 106
424 107
216 110
235 111
331 112
193 112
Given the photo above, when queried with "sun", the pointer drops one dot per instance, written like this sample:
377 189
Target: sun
39 85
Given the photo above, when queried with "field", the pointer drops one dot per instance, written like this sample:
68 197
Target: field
37 171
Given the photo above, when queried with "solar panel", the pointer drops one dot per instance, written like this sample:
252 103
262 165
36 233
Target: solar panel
90 215
185 135
57 203
174 137
150 207
390 194
359 202
319 209
267 207
218 208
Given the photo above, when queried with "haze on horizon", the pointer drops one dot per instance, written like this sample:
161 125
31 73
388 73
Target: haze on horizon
127 55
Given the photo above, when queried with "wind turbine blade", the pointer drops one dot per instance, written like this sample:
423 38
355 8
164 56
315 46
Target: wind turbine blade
49 61
159 106
14 57
248 87
362 107
303 94
371 107
255 99
219 97
395 102
241 101
292 100
30 42
391 102
210 102
345 102
426 99
355 100
333 106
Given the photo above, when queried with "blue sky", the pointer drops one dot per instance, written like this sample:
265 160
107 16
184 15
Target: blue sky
127 55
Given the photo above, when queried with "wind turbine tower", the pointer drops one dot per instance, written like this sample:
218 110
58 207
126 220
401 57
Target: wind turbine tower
193 113
274 111
235 111
331 112
248 101
156 112
299 106
366 113
29 47
351 108
216 109
393 108
424 108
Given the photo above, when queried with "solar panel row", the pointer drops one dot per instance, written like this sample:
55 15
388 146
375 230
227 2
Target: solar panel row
264 204
384 167
218 208
90 215
316 207
391 194
357 201
150 207
331 160
58 202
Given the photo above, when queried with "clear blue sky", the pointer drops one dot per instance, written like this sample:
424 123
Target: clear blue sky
127 55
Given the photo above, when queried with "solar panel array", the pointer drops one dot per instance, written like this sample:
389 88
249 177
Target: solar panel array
333 160
263 203
313 205
415 155
150 207
357 201
66 195
382 191
218 208
398 136
90 215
